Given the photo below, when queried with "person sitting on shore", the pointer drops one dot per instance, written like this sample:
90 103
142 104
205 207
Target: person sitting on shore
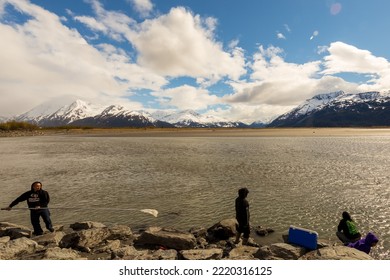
365 244
347 230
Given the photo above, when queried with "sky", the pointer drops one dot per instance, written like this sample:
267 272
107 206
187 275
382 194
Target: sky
247 60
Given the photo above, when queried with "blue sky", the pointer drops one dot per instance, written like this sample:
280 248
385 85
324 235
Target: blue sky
242 60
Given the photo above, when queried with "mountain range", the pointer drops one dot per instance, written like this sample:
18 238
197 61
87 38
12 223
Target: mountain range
339 109
336 109
83 114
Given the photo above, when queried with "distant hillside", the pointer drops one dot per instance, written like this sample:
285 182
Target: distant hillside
339 109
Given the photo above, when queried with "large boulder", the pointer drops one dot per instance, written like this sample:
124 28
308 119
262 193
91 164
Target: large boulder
280 251
121 232
167 238
57 253
86 225
14 231
84 240
17 247
131 253
243 253
222 230
52 239
202 254
5 239
336 253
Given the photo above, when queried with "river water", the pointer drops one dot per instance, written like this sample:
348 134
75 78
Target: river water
193 181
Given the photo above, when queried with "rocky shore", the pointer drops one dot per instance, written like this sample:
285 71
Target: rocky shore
94 241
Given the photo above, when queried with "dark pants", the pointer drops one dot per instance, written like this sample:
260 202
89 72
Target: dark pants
35 215
243 228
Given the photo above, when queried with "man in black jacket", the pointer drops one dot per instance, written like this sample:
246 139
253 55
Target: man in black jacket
37 201
242 216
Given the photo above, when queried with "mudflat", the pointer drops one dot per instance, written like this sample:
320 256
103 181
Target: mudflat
227 132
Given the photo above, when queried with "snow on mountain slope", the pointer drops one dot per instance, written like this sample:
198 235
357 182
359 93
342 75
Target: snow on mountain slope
77 110
339 108
186 117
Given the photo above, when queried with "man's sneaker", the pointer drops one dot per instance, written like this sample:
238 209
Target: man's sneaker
51 229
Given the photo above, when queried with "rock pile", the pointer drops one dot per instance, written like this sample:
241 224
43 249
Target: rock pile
93 240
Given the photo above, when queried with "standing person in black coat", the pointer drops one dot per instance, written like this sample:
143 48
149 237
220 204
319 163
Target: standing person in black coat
242 217
37 201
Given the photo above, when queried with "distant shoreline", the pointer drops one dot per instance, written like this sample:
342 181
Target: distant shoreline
204 132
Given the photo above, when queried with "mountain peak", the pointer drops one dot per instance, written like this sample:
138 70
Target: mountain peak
328 96
339 109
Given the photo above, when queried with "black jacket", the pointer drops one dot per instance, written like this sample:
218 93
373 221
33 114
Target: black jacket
343 227
242 211
34 199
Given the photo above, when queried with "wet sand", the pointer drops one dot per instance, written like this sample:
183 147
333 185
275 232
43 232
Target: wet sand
228 132
206 132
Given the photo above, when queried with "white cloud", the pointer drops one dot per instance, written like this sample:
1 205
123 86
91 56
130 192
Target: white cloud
186 97
248 113
115 25
344 58
180 44
144 7
176 44
280 36
280 85
42 58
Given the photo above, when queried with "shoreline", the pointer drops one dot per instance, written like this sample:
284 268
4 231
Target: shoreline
204 132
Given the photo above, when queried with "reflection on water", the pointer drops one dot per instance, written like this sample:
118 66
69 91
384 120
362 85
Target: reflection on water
192 181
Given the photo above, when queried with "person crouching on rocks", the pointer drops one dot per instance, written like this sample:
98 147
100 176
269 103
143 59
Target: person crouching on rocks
242 217
365 244
347 231
37 201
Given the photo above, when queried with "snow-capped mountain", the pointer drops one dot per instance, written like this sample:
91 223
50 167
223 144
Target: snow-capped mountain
339 109
55 114
118 116
190 118
81 113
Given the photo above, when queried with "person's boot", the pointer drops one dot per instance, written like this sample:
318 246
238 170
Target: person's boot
248 242
237 238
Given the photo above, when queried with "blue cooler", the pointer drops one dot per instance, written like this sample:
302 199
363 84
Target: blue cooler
303 237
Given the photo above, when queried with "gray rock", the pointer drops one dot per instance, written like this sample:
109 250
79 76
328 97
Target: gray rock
167 238
49 239
16 248
4 239
57 253
86 225
222 230
121 232
336 253
243 253
280 251
164 255
14 231
84 240
108 247
202 254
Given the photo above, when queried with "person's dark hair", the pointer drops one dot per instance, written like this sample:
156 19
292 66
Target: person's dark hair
243 192
36 182
346 216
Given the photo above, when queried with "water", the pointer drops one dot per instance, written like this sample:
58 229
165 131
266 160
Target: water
193 181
